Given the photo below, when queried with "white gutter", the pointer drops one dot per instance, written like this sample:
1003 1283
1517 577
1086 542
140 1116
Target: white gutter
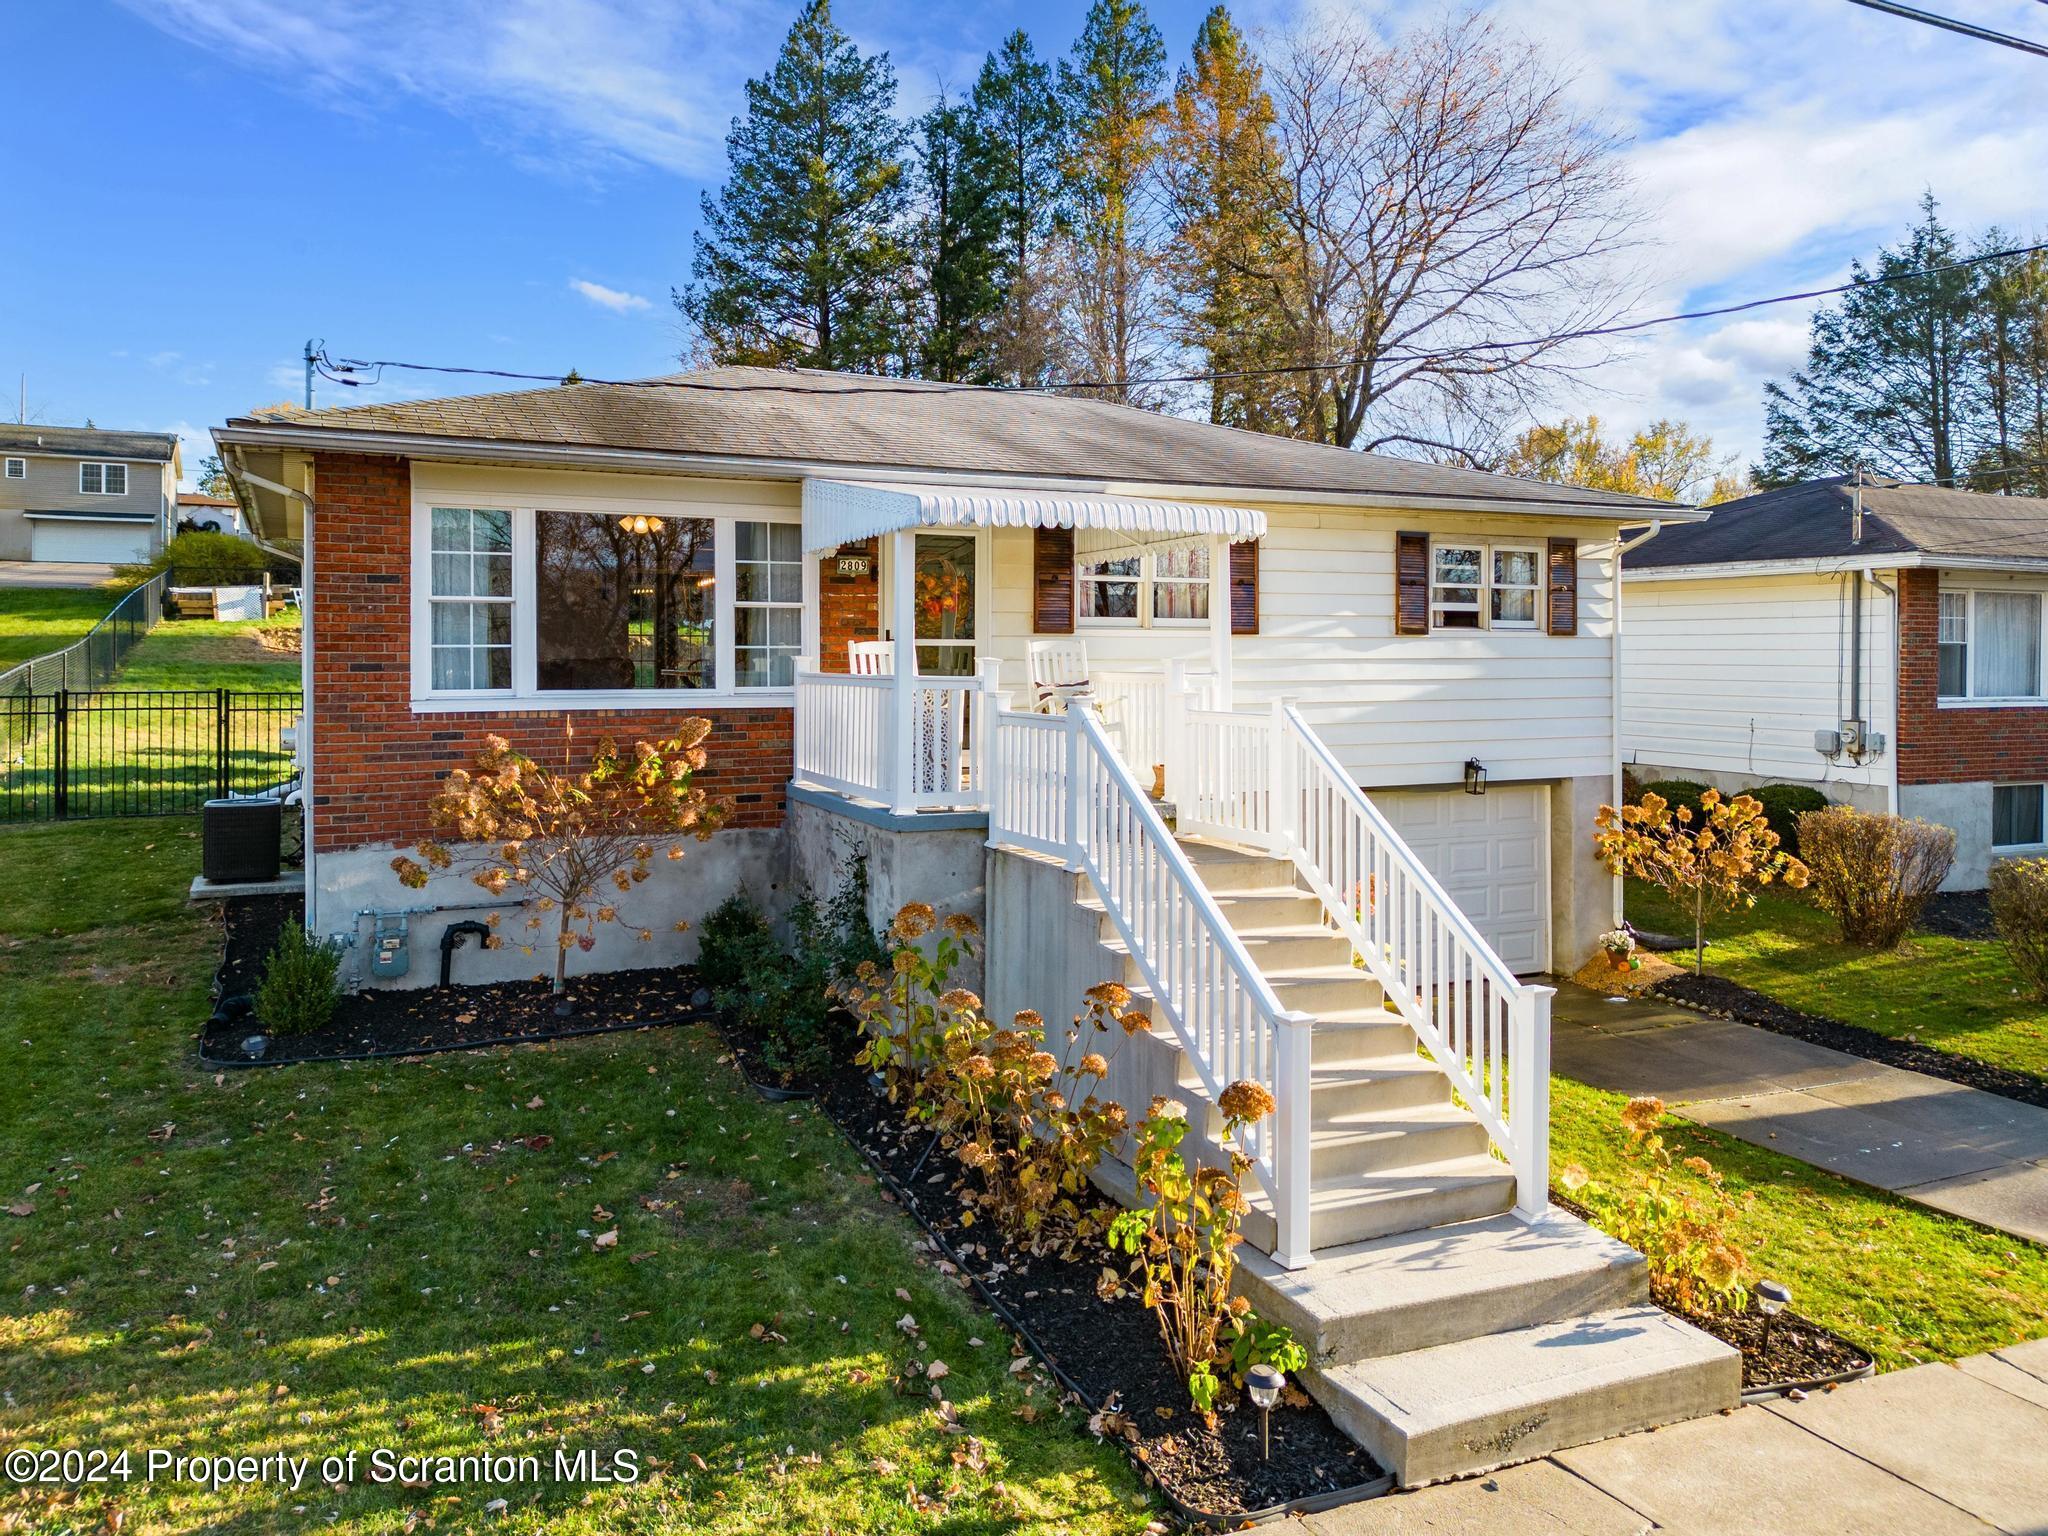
1614 681
1834 565
494 451
232 462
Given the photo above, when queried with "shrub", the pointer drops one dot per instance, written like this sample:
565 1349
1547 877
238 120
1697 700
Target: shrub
1874 873
1676 793
2019 905
204 560
1679 1224
732 942
298 989
906 1006
1708 861
1783 805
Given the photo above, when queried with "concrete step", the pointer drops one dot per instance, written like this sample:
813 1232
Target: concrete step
1269 906
1224 868
1359 1144
1460 1408
1365 1206
1296 946
1360 1034
1415 1290
1377 1086
1321 989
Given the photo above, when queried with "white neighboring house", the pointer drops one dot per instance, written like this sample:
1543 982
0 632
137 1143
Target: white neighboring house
86 494
209 514
1880 642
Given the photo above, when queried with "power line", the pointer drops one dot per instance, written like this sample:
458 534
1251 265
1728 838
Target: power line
1948 24
339 369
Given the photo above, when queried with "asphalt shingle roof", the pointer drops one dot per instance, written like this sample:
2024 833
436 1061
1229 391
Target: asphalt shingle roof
1812 521
857 420
89 442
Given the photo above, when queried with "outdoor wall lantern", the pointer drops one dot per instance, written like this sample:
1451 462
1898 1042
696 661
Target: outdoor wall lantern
1475 776
1264 1383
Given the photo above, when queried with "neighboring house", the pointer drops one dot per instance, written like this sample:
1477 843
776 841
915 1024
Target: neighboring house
1881 643
1275 623
209 514
86 494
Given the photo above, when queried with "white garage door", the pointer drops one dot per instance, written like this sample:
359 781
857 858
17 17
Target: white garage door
110 543
1492 853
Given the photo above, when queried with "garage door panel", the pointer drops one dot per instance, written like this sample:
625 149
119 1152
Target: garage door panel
1490 852
111 543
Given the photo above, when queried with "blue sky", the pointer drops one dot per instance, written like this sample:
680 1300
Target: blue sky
201 185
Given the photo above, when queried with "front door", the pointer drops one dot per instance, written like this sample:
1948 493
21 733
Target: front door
944 603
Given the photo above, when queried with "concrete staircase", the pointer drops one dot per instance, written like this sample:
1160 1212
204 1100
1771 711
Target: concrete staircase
1447 1336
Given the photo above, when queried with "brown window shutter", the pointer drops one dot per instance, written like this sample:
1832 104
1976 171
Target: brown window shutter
1411 583
1244 588
1564 586
1052 581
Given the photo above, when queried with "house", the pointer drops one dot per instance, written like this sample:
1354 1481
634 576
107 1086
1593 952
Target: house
209 514
1380 695
86 494
1879 641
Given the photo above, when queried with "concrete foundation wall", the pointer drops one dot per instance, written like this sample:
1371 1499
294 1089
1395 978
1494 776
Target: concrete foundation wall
1966 808
1583 896
1874 798
683 890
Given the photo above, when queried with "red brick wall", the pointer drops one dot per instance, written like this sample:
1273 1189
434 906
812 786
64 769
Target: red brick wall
1953 746
847 608
375 762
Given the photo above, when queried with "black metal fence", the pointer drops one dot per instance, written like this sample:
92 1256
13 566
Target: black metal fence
74 755
91 662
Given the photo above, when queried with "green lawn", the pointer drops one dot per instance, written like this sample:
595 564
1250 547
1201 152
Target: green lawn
320 1259
34 620
1907 1282
212 653
1961 995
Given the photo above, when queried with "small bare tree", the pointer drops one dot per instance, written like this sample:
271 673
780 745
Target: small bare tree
1874 873
567 833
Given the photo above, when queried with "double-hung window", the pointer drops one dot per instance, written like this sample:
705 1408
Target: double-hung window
768 598
17 469
1988 644
96 479
1158 588
1485 586
470 602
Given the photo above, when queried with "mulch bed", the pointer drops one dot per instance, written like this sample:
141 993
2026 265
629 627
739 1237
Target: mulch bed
1719 995
1803 1353
385 1022
1110 1351
1958 915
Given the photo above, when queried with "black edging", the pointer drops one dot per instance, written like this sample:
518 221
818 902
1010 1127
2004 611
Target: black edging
1314 1503
690 1017
1771 1391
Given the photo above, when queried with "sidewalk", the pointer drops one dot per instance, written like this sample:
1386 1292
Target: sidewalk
1956 1149
1940 1448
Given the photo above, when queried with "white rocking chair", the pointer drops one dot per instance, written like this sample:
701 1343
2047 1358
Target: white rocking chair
871 658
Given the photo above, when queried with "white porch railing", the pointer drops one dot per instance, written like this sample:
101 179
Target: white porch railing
1271 782
1057 785
851 737
1135 704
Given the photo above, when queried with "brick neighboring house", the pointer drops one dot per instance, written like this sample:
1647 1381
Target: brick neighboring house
1882 643
86 494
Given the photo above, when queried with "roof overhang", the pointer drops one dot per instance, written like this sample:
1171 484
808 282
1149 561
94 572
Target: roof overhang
840 512
1830 565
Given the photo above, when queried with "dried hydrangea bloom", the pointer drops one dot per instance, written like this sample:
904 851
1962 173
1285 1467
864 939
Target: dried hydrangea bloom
1134 1022
1028 1019
1094 1065
1044 1064
960 1000
961 926
1246 1102
1642 1113
1574 1178
1702 1167
979 1068
1115 1118
1055 1101
914 920
1164 1108
1111 994
1721 1267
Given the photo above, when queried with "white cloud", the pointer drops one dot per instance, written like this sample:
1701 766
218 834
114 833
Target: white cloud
617 300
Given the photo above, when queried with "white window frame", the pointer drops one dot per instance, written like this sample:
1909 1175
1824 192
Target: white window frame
1145 579
763 604
525 692
1972 699
1486 587
17 469
2012 848
106 468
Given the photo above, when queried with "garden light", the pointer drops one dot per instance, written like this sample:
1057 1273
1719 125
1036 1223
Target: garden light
1772 1297
1263 1383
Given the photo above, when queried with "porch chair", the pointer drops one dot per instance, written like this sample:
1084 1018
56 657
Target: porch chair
870 658
1059 672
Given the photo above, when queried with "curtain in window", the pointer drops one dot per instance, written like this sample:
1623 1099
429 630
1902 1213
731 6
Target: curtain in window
2007 645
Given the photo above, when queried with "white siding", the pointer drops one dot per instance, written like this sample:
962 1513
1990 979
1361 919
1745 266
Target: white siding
1733 677
1398 710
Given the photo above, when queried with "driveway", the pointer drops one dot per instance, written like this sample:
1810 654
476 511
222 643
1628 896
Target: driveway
53 573
1957 1149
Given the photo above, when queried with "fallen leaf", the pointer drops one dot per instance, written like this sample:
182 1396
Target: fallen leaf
938 1370
535 1102
21 1208
606 1239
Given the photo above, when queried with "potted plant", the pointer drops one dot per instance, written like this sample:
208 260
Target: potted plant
1619 945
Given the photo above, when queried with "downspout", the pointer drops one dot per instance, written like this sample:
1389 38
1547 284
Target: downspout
1614 678
232 462
1891 784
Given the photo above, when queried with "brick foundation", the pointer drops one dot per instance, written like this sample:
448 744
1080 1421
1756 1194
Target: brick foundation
376 762
1955 746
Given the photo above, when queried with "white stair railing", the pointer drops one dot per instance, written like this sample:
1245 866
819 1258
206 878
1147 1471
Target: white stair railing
847 736
1059 786
1271 782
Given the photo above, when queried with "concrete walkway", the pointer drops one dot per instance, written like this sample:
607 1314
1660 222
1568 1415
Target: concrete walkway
1957 1149
1940 1448
53 573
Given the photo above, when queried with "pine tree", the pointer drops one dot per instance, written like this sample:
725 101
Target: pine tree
1890 380
1112 89
1222 163
1019 147
801 260
959 251
2012 349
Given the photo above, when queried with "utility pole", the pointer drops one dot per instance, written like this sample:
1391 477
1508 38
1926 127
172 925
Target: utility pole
309 374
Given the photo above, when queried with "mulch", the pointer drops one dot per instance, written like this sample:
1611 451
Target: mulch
1719 995
1110 1350
1958 915
417 1021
